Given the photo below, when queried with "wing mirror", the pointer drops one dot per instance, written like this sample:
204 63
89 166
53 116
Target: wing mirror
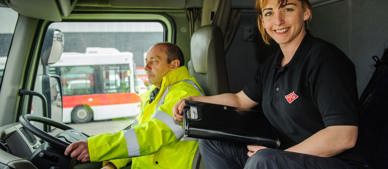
52 48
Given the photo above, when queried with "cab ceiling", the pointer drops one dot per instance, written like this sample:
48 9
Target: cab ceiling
165 4
141 4
55 10
172 4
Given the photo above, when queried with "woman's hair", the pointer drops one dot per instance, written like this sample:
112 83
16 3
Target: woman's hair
259 6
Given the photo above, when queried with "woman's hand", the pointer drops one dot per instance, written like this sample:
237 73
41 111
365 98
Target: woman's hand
178 110
252 149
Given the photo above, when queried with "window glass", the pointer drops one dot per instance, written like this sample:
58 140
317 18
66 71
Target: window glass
77 80
8 19
101 72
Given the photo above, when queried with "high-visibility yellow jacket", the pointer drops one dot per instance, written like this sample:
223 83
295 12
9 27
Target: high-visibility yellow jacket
155 141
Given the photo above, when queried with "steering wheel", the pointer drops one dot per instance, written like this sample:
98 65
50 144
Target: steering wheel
25 121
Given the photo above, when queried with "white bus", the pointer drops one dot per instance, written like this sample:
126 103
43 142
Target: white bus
97 85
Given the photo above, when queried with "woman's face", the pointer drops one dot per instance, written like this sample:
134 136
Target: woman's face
285 23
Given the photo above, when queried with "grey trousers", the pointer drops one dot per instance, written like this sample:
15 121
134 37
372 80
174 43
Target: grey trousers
227 155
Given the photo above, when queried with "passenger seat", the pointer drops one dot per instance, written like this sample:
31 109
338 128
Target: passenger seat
207 62
207 65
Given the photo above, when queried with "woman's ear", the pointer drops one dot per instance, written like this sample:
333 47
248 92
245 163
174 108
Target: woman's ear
307 14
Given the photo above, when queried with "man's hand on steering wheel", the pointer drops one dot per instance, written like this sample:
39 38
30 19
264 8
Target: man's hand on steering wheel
78 150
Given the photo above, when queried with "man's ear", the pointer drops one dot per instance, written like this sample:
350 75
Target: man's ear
174 64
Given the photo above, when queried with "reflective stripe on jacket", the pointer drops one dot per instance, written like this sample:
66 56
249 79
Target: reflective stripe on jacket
154 142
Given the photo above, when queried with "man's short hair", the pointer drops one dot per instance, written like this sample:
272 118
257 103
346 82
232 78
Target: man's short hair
173 52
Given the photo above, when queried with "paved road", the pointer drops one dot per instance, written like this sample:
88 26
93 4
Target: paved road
105 126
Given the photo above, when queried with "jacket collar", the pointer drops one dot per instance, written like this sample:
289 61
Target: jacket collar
174 76
170 78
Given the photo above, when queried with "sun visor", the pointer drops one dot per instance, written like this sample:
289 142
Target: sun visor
43 9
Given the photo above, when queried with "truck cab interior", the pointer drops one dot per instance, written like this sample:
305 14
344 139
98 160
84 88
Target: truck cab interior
219 38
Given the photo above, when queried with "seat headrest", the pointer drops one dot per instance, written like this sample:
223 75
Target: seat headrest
202 45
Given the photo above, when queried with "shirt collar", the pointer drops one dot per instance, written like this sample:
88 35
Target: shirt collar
302 50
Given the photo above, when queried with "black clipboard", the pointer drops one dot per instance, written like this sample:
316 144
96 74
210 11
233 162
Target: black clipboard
213 121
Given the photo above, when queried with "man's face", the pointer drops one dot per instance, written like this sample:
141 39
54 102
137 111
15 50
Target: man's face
157 65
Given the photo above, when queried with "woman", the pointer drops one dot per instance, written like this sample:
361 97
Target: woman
307 90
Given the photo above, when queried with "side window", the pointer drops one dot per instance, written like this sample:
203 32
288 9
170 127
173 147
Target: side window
101 72
8 19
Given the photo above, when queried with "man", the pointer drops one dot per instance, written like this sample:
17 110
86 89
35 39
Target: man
154 140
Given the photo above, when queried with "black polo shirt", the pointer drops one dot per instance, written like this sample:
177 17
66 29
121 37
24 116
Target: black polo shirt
316 89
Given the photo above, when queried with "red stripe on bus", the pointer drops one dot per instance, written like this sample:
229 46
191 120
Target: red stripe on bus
100 99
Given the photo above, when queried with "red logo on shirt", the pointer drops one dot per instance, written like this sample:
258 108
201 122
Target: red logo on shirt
291 97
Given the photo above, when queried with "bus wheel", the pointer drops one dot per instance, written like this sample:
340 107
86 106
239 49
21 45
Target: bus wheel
81 114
